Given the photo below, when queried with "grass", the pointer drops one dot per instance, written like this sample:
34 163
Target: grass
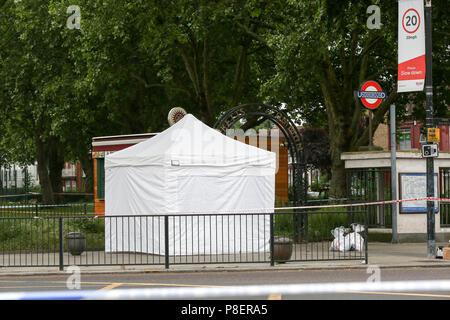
320 221
32 234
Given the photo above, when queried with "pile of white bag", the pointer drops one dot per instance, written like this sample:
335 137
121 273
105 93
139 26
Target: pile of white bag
345 241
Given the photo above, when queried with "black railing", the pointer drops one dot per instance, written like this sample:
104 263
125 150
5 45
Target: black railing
372 185
60 239
444 187
14 180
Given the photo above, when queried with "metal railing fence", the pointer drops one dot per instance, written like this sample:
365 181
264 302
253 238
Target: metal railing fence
444 187
53 239
371 185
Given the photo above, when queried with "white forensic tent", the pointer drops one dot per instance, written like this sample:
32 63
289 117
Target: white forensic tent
189 168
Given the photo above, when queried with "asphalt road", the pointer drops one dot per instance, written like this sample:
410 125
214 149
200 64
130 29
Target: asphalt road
115 281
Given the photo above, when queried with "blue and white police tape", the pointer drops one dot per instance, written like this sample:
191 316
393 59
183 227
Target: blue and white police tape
234 292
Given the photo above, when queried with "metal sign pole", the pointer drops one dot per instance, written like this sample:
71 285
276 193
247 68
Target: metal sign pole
431 239
393 175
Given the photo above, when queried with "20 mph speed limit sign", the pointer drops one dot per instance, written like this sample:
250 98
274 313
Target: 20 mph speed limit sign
411 20
411 46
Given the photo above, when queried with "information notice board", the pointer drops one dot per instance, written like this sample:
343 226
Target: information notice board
414 185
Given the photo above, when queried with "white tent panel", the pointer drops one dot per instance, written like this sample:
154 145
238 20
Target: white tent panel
135 234
219 234
189 235
230 233
134 190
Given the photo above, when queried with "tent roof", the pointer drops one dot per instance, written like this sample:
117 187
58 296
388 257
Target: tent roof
190 142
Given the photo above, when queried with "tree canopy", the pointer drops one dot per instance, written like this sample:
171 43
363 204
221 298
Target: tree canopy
131 61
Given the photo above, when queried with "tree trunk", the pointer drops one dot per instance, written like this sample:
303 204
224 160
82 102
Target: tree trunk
338 103
338 179
56 165
239 77
337 142
88 168
44 178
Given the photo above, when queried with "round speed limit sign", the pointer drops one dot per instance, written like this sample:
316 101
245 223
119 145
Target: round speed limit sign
411 21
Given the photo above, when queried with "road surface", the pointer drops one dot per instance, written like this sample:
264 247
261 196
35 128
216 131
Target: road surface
116 281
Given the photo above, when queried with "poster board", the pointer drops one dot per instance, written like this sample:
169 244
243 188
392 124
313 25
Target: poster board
414 185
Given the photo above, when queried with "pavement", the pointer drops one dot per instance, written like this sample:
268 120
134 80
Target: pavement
381 254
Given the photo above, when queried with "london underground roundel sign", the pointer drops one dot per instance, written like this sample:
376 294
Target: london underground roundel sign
371 95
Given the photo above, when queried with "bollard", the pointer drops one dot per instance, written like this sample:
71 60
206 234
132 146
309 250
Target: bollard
272 262
61 245
166 241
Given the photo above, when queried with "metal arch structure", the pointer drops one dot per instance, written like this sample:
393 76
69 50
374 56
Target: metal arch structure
293 137
290 131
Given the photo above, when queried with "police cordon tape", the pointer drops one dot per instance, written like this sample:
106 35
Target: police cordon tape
269 210
20 206
245 291
358 204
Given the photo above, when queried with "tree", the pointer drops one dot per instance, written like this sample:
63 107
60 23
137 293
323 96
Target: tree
202 54
133 60
316 148
324 51
30 62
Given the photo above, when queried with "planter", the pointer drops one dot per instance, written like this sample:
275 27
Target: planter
282 249
76 243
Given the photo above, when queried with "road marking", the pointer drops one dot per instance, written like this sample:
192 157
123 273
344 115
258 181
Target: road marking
153 284
37 287
404 294
108 285
111 286
274 297
169 284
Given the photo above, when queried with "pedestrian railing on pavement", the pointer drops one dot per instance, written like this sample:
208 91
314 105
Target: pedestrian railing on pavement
60 236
